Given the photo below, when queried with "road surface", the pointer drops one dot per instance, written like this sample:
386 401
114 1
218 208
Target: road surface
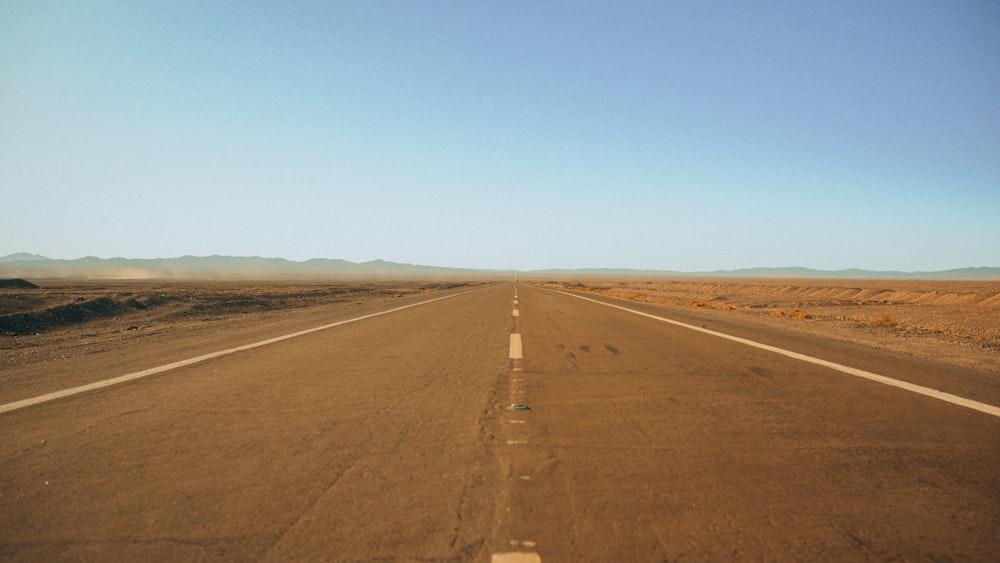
396 437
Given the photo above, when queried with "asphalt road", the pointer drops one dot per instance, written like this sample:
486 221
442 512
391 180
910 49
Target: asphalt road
393 438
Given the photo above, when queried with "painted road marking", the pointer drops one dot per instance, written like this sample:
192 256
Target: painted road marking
515 557
919 389
516 354
515 347
198 359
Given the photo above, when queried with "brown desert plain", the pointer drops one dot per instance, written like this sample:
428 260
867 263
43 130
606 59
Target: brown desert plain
953 321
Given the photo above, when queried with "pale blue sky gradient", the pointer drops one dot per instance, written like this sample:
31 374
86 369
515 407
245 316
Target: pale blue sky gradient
668 135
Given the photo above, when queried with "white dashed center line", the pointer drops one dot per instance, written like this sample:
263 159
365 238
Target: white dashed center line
516 355
516 557
515 347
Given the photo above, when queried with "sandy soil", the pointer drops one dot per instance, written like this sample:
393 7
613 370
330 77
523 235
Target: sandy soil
954 321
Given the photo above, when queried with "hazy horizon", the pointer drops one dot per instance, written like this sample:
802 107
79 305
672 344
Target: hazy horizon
507 136
238 265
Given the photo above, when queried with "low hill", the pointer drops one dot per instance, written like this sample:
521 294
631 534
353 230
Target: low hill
17 283
855 273
982 273
22 257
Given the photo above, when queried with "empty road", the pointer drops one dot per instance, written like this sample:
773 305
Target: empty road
510 423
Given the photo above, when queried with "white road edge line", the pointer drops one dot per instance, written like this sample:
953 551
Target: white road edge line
919 389
197 359
515 347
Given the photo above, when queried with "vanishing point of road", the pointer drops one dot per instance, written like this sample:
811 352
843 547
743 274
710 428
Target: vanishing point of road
509 423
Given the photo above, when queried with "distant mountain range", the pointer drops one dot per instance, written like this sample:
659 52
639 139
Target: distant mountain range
855 273
24 265
979 273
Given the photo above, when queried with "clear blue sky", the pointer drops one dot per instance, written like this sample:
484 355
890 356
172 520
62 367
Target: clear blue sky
668 135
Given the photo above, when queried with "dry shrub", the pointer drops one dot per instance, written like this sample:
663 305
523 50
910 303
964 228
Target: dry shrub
885 320
729 307
794 314
704 304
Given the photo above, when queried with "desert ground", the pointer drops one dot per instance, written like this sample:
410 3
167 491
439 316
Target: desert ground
954 321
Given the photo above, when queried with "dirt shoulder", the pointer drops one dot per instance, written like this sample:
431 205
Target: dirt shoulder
951 321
